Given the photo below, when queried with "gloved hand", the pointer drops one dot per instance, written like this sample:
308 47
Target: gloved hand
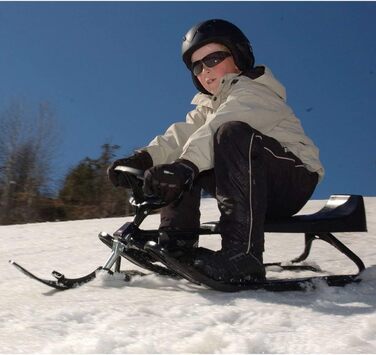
168 181
140 160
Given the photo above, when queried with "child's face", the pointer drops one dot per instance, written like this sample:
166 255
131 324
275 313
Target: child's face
210 78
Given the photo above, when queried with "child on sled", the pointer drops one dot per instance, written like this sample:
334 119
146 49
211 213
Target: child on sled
242 144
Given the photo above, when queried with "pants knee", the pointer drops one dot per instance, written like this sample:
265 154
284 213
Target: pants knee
233 130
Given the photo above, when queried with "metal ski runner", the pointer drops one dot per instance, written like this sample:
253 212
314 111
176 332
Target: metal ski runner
64 283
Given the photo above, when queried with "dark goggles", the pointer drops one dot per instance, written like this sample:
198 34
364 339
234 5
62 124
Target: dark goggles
210 61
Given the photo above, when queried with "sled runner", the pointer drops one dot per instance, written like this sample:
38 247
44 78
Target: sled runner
145 248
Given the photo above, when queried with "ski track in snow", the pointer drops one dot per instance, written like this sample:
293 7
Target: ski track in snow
159 315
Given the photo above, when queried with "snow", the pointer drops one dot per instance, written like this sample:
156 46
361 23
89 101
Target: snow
159 315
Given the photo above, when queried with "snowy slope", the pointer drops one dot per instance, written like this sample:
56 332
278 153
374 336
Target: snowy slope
157 315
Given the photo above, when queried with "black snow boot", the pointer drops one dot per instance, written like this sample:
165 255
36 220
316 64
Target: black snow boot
230 266
178 244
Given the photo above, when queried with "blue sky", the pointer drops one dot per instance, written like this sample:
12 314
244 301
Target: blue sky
113 72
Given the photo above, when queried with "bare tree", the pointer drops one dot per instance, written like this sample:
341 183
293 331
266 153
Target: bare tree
27 146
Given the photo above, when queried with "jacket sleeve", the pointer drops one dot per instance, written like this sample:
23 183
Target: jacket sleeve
168 147
257 106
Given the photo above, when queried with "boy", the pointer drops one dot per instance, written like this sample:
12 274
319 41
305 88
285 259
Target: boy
242 143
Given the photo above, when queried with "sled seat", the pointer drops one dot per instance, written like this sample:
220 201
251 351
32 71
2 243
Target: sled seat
341 213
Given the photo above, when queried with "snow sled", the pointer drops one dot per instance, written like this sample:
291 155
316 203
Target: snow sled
145 248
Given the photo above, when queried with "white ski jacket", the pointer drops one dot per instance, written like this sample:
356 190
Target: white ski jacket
259 102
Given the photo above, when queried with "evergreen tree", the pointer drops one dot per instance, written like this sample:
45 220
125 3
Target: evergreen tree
87 193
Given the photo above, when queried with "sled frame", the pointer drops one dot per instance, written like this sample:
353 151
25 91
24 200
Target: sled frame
332 240
341 213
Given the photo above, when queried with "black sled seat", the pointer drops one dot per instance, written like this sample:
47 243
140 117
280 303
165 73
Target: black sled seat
341 213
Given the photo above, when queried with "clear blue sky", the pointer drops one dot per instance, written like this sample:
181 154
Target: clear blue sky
113 72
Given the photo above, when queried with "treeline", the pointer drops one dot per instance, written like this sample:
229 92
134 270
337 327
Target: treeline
28 142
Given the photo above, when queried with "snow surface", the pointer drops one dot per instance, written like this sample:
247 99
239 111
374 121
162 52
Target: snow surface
158 315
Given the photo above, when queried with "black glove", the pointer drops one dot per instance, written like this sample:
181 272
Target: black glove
168 181
140 160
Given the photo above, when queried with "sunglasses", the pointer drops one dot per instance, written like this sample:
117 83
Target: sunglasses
210 61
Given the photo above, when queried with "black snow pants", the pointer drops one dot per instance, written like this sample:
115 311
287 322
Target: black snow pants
254 178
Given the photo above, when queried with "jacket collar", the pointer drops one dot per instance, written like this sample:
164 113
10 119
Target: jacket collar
272 83
211 100
267 79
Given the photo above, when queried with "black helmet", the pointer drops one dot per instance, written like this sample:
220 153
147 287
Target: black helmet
218 31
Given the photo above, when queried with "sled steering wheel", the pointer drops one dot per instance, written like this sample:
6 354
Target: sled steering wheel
135 178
